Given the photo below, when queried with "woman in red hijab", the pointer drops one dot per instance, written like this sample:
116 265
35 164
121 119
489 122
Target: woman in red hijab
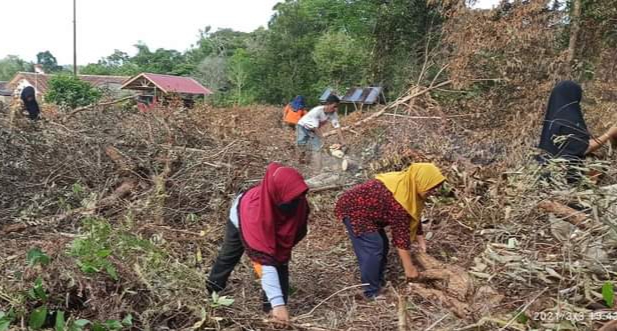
266 221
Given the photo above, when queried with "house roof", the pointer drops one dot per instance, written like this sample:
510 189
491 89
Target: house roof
367 96
326 94
166 83
40 81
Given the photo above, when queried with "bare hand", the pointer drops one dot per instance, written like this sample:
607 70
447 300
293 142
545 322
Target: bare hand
280 314
421 243
412 273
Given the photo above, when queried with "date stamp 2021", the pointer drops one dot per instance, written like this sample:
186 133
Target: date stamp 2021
554 316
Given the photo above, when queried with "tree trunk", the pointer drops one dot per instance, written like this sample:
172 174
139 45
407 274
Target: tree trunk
575 19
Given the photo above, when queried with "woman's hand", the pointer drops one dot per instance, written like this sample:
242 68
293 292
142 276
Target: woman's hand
410 270
421 243
280 314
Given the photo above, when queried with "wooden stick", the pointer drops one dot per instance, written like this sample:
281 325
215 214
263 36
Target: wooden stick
437 322
402 312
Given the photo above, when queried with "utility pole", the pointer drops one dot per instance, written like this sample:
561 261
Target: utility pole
75 38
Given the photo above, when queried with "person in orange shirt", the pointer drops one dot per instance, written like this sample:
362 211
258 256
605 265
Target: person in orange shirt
294 111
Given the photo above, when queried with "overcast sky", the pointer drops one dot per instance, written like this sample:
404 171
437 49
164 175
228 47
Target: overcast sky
104 25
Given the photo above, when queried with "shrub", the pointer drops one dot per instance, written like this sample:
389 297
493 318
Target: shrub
69 91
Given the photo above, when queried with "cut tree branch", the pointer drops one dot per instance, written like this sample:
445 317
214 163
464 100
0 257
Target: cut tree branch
81 109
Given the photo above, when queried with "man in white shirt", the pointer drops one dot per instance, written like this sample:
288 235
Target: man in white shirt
309 129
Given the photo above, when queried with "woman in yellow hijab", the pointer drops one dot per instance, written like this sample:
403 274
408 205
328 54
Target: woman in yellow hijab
394 199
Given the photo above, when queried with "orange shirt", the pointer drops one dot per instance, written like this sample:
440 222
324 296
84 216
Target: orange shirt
291 117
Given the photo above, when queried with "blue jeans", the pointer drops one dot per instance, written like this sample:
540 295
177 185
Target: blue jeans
372 252
307 138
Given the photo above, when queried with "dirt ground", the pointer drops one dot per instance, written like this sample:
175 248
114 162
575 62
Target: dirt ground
152 192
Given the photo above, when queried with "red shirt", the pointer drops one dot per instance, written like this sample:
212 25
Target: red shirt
371 207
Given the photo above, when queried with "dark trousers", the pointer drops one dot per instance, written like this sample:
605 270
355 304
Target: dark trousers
227 259
372 252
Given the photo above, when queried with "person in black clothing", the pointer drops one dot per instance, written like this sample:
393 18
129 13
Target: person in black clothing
28 96
564 133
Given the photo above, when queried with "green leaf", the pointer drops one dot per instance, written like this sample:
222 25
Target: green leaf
60 322
98 327
81 323
522 318
113 325
111 270
37 318
38 291
225 301
78 325
87 267
6 320
103 253
77 189
127 320
215 297
608 294
35 256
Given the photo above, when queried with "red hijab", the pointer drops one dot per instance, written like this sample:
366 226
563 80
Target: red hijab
268 233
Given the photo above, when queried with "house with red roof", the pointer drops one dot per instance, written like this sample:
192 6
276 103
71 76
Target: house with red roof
154 87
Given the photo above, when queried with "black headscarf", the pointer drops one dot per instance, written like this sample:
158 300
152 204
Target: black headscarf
28 96
564 133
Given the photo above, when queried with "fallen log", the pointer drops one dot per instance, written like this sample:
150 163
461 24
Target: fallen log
348 165
323 180
571 215
457 282
460 309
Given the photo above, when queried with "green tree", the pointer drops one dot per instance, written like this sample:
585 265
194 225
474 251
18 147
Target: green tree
340 59
161 61
69 91
238 73
11 64
119 63
48 61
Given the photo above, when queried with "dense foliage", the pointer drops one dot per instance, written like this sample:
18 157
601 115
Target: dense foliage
310 45
11 65
69 91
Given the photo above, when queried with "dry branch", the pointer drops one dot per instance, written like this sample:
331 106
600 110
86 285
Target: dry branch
390 106
402 312
79 110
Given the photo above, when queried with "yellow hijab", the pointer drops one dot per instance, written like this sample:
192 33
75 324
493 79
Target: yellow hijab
407 185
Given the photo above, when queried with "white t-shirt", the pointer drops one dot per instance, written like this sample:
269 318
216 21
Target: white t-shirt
317 117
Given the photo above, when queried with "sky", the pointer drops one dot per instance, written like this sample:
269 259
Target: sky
106 25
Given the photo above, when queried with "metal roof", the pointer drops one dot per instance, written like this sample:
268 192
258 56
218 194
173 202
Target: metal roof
167 84
368 96
326 94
